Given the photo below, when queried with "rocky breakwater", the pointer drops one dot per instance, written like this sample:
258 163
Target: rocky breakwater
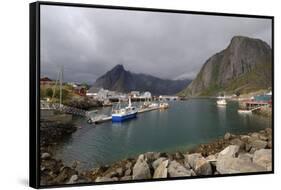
83 103
54 172
52 132
54 126
230 155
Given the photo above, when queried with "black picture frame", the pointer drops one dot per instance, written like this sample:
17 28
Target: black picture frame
34 90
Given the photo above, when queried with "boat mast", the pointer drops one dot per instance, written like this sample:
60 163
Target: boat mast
61 78
130 104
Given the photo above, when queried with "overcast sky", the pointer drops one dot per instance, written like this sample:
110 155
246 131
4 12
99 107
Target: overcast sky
88 42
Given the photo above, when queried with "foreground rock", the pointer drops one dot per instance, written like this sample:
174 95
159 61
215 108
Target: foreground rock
161 170
229 162
175 169
263 157
232 154
141 169
237 165
202 167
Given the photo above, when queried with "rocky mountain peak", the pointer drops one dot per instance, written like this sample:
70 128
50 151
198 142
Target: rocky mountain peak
121 80
118 68
244 65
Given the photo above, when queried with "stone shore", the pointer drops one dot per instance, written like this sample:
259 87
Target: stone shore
232 154
52 132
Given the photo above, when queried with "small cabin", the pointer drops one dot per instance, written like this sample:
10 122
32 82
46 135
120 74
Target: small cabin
80 90
46 81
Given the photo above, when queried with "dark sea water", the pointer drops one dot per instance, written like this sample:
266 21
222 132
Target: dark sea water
181 127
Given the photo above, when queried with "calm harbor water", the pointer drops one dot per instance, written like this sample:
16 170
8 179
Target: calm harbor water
184 125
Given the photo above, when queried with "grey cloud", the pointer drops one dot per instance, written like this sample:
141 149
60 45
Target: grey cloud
88 42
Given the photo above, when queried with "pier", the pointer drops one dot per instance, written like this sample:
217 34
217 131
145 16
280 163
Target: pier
104 118
65 109
250 106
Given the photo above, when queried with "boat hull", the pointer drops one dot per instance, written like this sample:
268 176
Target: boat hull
120 118
244 111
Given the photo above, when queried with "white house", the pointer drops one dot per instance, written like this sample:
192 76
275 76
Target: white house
92 92
146 95
135 94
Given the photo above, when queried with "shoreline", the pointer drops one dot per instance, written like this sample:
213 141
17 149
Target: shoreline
241 153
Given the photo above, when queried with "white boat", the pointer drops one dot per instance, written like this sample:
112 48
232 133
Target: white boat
221 101
121 114
244 111
163 105
153 105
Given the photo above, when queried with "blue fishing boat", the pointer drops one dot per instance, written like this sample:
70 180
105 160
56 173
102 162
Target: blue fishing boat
122 114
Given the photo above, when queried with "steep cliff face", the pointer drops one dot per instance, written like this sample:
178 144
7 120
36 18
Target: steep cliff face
244 65
118 79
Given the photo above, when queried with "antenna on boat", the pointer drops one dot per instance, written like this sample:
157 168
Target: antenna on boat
130 104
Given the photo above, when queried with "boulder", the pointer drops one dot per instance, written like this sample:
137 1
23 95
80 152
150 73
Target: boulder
263 137
212 159
65 173
227 136
255 136
161 171
186 164
141 169
156 163
119 171
175 169
245 138
128 172
111 174
202 167
231 165
268 131
106 179
179 156
128 165
73 179
238 142
151 156
230 151
46 155
256 145
246 156
192 172
75 164
263 157
126 178
269 144
191 158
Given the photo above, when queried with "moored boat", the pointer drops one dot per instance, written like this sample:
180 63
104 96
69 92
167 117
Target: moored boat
153 105
122 114
221 101
163 105
244 111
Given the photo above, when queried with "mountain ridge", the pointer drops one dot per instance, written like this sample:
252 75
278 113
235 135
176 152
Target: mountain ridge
121 80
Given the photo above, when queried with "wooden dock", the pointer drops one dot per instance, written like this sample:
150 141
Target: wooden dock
147 109
250 106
